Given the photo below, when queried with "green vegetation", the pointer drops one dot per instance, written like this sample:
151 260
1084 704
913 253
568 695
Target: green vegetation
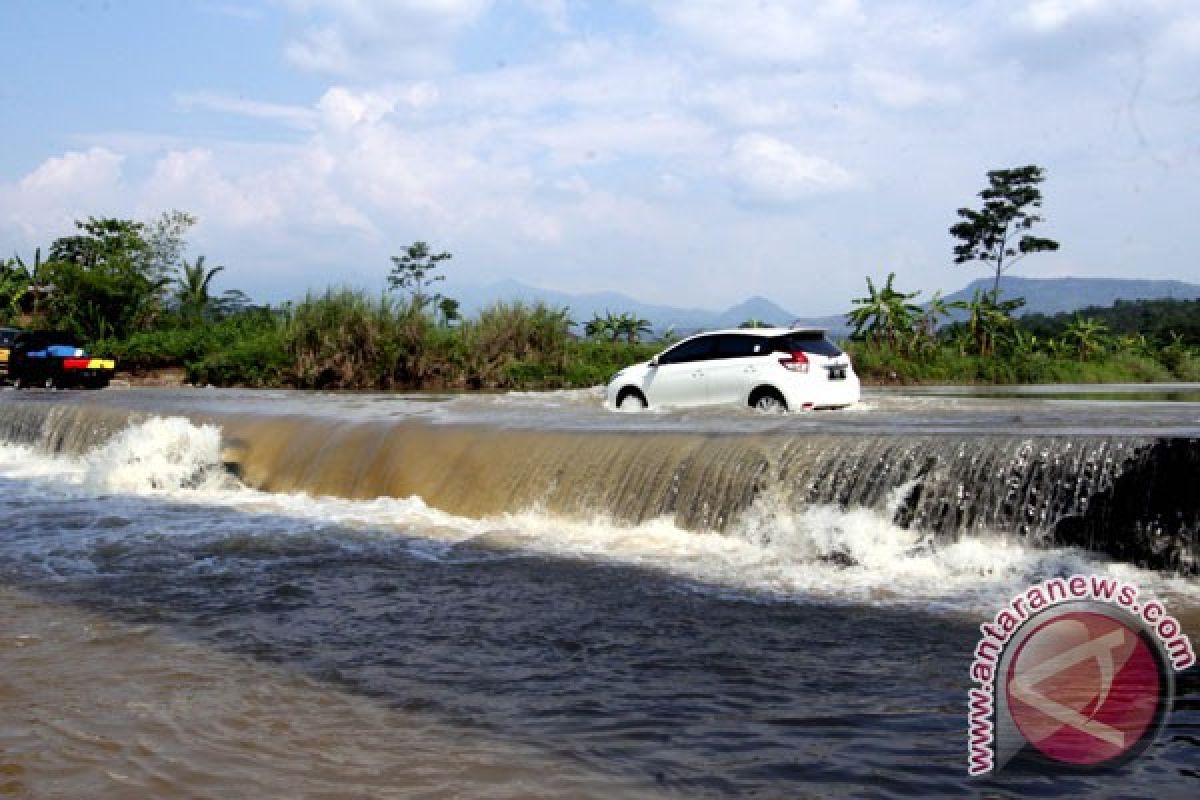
126 287
616 327
897 340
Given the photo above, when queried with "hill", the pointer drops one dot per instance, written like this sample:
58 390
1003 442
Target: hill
1046 296
1057 295
682 320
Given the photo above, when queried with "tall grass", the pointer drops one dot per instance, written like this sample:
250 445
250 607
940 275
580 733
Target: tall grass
946 364
347 339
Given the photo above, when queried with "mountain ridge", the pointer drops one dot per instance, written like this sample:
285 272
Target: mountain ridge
1042 295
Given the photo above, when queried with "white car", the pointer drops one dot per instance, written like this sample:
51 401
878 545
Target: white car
770 369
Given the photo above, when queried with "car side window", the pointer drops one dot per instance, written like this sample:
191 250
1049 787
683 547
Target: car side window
691 350
738 346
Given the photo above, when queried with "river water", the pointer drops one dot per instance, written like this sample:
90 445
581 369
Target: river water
214 593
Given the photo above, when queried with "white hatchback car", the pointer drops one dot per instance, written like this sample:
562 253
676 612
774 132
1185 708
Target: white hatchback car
770 369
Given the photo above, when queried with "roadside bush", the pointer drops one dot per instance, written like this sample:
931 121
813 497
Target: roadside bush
258 361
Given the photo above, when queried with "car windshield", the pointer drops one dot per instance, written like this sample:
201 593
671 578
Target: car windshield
811 343
40 340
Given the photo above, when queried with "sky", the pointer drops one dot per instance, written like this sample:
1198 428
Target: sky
686 152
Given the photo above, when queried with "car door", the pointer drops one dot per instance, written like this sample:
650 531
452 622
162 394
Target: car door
678 378
728 375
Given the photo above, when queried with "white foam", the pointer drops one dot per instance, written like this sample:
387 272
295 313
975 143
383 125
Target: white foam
157 455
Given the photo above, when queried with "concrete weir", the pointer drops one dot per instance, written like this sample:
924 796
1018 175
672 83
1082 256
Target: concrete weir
1129 496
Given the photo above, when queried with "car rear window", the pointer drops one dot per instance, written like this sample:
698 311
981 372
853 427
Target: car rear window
814 343
739 346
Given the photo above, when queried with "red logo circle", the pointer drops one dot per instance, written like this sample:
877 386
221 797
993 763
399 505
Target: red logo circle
1084 688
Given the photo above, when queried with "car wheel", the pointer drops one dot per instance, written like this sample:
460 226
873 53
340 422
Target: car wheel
768 401
49 382
631 400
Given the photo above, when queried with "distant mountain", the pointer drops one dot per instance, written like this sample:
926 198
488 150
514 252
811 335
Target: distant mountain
1042 295
683 320
759 308
1056 295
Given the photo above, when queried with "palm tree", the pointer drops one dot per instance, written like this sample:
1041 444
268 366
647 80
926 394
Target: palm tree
884 313
448 307
1089 336
987 320
35 278
599 327
192 289
936 309
631 326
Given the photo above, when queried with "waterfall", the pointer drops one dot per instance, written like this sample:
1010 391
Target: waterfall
1128 496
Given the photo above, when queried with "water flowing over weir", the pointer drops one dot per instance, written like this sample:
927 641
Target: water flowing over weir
1126 495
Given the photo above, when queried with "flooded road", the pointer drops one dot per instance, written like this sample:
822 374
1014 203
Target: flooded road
544 615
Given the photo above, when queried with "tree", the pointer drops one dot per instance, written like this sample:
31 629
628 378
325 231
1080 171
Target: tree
937 309
25 284
599 327
884 313
754 323
988 319
191 291
1087 336
101 278
165 242
231 303
448 307
631 326
997 234
414 271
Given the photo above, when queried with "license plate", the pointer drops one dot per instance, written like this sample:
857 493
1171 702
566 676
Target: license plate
837 373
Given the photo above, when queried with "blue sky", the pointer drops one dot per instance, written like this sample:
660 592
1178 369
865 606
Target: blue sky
691 153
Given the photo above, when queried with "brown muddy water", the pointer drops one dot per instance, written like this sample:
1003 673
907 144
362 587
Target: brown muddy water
268 594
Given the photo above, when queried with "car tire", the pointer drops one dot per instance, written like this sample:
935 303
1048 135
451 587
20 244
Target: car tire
768 401
631 400
49 383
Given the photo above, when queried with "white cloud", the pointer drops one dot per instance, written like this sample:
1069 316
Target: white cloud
373 37
74 172
295 116
1047 16
898 90
194 177
776 171
771 31
61 189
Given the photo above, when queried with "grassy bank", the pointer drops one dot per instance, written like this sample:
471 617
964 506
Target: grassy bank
945 364
347 339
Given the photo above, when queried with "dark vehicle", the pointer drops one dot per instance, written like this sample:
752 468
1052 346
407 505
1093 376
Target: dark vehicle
54 359
7 336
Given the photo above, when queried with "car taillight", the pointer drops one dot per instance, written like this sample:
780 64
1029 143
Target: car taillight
796 362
